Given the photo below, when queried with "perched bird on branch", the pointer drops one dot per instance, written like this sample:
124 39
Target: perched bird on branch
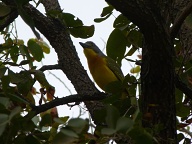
103 68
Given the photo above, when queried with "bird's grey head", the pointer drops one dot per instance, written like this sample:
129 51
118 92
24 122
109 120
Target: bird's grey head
93 46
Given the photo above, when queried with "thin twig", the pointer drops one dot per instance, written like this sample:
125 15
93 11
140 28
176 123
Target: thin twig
54 67
60 81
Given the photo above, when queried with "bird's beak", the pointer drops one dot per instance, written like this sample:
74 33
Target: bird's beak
84 45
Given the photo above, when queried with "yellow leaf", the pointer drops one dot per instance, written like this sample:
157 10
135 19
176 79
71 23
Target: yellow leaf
136 69
45 47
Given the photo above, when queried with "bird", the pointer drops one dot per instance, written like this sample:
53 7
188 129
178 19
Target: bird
103 69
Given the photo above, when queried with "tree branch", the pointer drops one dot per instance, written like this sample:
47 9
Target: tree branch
8 19
51 5
183 87
69 99
50 67
179 20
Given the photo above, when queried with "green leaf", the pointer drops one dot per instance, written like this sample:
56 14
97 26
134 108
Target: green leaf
107 10
178 96
187 141
61 120
98 20
181 110
3 119
123 105
18 42
5 82
16 98
116 45
2 71
124 123
4 101
42 135
26 84
25 52
112 116
46 120
8 43
45 47
36 120
82 31
69 133
3 122
30 139
62 138
71 20
108 131
132 90
100 115
28 125
77 124
14 78
40 77
14 112
35 50
4 10
140 135
180 137
135 38
114 87
129 79
24 87
14 52
121 22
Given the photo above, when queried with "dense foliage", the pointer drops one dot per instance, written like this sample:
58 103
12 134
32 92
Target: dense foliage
24 121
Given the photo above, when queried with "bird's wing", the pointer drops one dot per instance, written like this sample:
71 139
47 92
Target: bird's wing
115 68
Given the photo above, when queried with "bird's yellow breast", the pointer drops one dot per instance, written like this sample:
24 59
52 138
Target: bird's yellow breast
99 69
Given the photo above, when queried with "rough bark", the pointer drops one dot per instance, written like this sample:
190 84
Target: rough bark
59 38
157 77
157 72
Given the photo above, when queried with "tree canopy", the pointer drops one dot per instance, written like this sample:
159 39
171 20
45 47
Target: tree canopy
161 79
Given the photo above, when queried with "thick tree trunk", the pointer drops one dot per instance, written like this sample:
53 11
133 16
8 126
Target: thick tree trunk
157 85
157 72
